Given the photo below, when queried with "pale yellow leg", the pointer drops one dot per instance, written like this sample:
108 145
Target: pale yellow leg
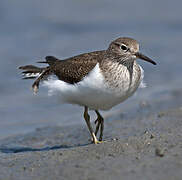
100 124
87 119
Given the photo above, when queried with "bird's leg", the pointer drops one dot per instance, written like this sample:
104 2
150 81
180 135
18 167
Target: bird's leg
87 119
97 122
100 124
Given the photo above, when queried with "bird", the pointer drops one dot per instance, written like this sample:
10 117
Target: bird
96 80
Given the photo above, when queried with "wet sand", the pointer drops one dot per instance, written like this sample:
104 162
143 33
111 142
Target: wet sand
144 146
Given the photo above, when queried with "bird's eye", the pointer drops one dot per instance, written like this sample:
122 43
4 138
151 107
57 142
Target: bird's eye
123 47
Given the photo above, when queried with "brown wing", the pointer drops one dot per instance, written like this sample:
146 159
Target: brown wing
74 69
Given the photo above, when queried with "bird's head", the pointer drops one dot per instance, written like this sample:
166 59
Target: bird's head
127 49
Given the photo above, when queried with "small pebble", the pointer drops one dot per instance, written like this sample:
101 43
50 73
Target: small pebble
161 114
144 104
111 155
152 136
159 152
146 132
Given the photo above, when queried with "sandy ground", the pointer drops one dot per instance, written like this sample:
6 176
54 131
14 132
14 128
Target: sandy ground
144 145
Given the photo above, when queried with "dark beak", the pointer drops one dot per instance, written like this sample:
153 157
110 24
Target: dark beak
145 58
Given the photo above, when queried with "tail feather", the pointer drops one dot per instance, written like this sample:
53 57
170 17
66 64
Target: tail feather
45 73
31 71
49 60
35 72
29 67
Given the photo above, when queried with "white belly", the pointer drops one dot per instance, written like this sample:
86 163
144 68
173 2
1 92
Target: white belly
92 91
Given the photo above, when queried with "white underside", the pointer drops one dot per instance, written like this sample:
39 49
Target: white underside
92 91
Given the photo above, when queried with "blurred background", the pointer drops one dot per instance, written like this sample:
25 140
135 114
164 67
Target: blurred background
31 30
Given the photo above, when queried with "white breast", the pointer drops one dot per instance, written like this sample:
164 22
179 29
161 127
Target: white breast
92 91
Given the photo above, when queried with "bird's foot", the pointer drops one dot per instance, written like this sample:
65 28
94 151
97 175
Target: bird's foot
97 142
94 140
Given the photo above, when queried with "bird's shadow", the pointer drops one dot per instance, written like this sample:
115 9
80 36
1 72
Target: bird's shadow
29 149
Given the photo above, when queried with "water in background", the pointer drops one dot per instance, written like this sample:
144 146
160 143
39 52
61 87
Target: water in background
30 30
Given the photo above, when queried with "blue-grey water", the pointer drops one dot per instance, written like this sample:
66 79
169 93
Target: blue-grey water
30 30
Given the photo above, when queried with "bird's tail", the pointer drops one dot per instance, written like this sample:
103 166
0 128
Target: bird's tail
31 72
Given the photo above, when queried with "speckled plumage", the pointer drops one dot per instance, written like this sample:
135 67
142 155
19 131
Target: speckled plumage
95 80
98 90
120 77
